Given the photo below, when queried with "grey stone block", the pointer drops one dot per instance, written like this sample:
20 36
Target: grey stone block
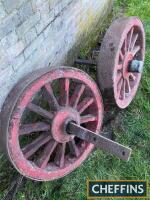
2 11
18 61
48 18
27 25
30 36
40 27
10 5
58 9
37 56
48 32
44 8
9 40
25 11
34 45
4 61
65 3
4 75
39 5
9 24
53 3
16 49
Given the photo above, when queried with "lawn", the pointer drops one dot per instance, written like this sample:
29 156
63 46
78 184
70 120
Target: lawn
131 127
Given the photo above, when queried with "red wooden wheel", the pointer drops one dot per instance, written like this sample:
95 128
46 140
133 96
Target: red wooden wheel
34 119
121 60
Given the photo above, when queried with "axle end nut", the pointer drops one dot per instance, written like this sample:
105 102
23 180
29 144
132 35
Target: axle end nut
136 66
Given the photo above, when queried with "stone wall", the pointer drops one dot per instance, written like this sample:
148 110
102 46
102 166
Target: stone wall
37 33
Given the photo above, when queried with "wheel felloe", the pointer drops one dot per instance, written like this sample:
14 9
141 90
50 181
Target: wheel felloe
35 136
121 60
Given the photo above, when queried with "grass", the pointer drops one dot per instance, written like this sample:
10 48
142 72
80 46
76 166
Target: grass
132 128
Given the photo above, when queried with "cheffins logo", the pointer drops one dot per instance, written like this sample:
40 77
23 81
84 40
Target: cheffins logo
120 189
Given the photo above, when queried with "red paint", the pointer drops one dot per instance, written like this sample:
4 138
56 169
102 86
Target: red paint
59 123
123 42
40 168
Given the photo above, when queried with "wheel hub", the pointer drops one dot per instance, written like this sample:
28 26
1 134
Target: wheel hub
127 61
60 121
136 66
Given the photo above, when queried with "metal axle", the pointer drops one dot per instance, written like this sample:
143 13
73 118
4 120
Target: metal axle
136 66
99 141
85 62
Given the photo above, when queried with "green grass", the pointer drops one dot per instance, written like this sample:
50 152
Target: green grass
132 128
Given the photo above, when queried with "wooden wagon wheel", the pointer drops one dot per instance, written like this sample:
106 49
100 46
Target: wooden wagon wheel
121 60
34 116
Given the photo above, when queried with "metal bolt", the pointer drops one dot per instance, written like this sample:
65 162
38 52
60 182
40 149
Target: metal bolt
136 66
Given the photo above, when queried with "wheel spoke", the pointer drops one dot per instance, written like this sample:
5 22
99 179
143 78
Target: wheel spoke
120 87
77 95
60 156
135 50
74 148
121 55
135 37
64 91
124 89
32 128
49 94
125 46
40 111
88 118
130 40
33 147
119 77
85 104
128 87
120 66
132 76
45 157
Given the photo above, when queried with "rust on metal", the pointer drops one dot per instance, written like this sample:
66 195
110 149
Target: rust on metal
99 141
